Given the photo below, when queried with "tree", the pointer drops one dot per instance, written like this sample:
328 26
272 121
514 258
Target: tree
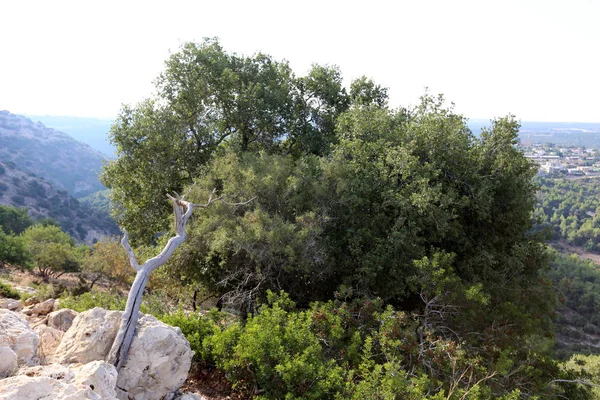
107 259
52 250
12 249
209 100
14 220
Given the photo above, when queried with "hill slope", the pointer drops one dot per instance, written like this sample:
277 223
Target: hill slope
24 189
92 131
70 165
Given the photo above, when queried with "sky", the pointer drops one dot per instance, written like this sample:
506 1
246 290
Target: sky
538 60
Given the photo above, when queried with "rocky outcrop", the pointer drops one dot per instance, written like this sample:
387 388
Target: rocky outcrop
16 335
89 338
73 365
158 362
159 357
49 340
8 362
95 381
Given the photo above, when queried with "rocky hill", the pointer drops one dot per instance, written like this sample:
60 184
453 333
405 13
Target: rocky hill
42 199
92 131
70 165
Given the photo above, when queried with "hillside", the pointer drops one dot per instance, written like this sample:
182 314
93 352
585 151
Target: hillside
70 165
92 131
24 189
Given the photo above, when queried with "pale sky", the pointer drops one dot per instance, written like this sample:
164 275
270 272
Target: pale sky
539 60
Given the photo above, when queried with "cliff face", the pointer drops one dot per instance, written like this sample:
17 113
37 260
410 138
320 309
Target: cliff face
66 163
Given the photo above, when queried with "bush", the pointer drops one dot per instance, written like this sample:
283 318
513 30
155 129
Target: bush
277 351
90 300
8 292
196 327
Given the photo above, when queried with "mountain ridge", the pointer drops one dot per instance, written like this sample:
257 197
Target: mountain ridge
69 164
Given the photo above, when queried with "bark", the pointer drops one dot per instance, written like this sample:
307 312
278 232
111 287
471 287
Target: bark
182 210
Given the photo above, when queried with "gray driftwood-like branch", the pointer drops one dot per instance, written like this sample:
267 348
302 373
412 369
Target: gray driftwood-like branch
183 211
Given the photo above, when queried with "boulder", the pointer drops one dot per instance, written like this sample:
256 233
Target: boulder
159 357
11 304
158 362
61 319
16 334
8 362
49 340
31 301
95 381
43 308
89 338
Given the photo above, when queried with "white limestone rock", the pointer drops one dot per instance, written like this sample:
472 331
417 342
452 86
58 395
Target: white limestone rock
11 304
92 381
8 362
89 338
61 319
49 340
16 334
158 362
43 308
159 357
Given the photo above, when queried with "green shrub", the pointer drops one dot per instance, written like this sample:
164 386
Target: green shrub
8 292
90 300
196 327
278 351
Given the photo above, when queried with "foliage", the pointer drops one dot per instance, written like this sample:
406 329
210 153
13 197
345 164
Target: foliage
209 99
52 250
8 292
89 300
196 327
108 259
589 367
14 220
571 208
361 350
400 186
13 249
577 283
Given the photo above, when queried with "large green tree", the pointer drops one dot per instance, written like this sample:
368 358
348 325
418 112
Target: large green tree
399 186
208 99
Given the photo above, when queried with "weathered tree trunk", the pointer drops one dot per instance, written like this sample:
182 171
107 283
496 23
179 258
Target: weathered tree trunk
182 210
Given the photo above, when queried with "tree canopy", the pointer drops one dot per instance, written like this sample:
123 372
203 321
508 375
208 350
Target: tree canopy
355 203
207 100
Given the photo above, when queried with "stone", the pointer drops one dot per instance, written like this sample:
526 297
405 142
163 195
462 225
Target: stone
61 319
8 362
31 301
189 396
43 308
89 338
11 304
16 334
93 381
158 361
49 340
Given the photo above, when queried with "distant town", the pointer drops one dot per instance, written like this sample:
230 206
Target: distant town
569 161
